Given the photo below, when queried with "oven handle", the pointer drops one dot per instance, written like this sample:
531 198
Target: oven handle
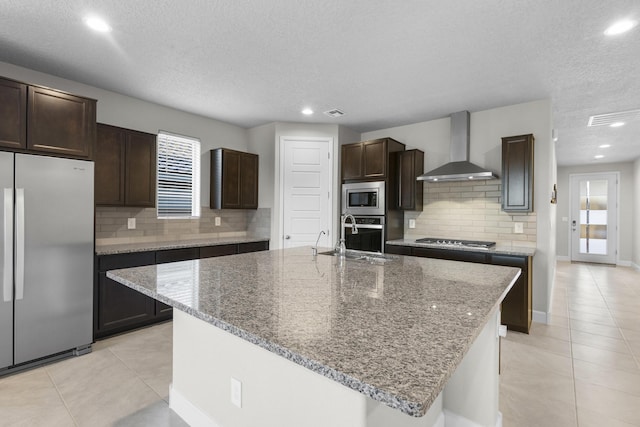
369 226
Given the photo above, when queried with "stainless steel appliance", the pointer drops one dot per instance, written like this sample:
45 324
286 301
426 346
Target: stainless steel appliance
363 198
46 259
456 243
370 236
459 168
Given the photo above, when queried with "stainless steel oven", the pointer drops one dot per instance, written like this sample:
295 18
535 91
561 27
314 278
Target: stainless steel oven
363 198
370 236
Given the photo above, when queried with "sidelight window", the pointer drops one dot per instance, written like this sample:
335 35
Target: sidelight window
178 176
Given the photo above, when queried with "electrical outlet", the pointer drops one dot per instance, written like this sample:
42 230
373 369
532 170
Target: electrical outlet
518 228
412 223
236 392
217 221
131 223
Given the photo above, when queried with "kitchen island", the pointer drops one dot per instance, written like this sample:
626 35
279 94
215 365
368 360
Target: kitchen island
320 340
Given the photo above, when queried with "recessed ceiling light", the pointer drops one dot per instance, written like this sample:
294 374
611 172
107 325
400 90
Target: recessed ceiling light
598 156
307 111
605 146
620 27
97 24
616 124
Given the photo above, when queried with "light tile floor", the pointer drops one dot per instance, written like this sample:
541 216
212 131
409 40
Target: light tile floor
123 382
582 369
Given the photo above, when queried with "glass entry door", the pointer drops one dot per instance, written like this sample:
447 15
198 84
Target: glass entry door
594 217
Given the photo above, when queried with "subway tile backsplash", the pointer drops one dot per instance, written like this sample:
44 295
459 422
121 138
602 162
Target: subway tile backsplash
464 210
111 224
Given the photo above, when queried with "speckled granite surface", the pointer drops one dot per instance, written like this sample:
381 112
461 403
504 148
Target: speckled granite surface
394 331
499 248
172 244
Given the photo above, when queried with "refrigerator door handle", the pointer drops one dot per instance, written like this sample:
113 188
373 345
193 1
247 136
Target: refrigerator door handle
19 243
7 269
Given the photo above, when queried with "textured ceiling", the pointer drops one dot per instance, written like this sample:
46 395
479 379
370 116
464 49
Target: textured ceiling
384 63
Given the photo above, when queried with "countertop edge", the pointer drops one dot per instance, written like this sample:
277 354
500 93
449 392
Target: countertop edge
127 248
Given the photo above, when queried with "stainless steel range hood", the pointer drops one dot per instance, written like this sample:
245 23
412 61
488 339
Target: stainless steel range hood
460 168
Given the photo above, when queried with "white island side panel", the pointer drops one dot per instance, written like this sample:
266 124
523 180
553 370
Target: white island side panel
278 392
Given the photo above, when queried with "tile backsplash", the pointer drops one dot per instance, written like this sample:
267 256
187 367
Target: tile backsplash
111 224
464 210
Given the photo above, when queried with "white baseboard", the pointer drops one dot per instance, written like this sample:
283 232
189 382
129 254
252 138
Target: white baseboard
187 411
622 263
539 316
635 266
452 419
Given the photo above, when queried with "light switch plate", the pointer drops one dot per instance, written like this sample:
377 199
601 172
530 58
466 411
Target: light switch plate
131 223
217 221
518 227
412 223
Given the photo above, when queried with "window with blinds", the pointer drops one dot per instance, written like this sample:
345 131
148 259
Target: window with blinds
178 176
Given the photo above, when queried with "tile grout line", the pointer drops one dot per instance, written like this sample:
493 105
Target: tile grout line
573 370
136 374
615 321
64 401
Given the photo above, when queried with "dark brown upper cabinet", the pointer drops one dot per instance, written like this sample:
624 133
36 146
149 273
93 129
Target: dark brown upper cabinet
13 114
517 173
368 159
43 120
410 190
60 123
234 179
125 167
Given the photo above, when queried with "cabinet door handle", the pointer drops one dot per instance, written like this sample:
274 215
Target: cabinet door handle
7 276
19 243
287 237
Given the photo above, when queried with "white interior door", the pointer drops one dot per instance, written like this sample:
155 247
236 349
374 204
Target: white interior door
594 214
306 191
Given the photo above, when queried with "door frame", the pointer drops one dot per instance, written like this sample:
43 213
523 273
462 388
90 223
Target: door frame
572 176
332 168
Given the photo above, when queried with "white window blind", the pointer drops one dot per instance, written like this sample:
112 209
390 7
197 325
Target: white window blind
178 176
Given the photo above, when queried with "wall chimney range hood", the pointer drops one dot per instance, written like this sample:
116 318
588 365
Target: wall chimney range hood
459 168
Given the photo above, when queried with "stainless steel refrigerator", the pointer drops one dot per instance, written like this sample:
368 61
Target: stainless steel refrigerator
46 258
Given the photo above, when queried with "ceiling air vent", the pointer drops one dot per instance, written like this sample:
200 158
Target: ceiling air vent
334 113
611 118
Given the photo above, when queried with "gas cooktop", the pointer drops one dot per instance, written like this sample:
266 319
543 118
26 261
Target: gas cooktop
456 242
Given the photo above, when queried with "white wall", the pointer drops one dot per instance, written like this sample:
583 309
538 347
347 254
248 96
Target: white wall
636 214
626 201
132 113
487 129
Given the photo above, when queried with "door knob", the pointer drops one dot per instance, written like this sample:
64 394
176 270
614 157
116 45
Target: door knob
287 237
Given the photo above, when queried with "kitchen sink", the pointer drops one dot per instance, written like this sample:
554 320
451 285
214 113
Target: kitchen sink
362 256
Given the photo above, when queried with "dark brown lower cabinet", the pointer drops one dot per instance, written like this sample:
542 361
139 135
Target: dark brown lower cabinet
516 307
118 308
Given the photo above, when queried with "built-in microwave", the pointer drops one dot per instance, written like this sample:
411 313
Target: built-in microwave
363 198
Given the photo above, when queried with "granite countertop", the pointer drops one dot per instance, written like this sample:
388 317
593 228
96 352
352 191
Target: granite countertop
394 331
124 248
499 248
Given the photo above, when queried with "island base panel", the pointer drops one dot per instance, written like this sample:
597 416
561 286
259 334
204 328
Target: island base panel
278 392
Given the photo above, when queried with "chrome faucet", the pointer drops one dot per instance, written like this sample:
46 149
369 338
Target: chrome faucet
315 248
340 246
